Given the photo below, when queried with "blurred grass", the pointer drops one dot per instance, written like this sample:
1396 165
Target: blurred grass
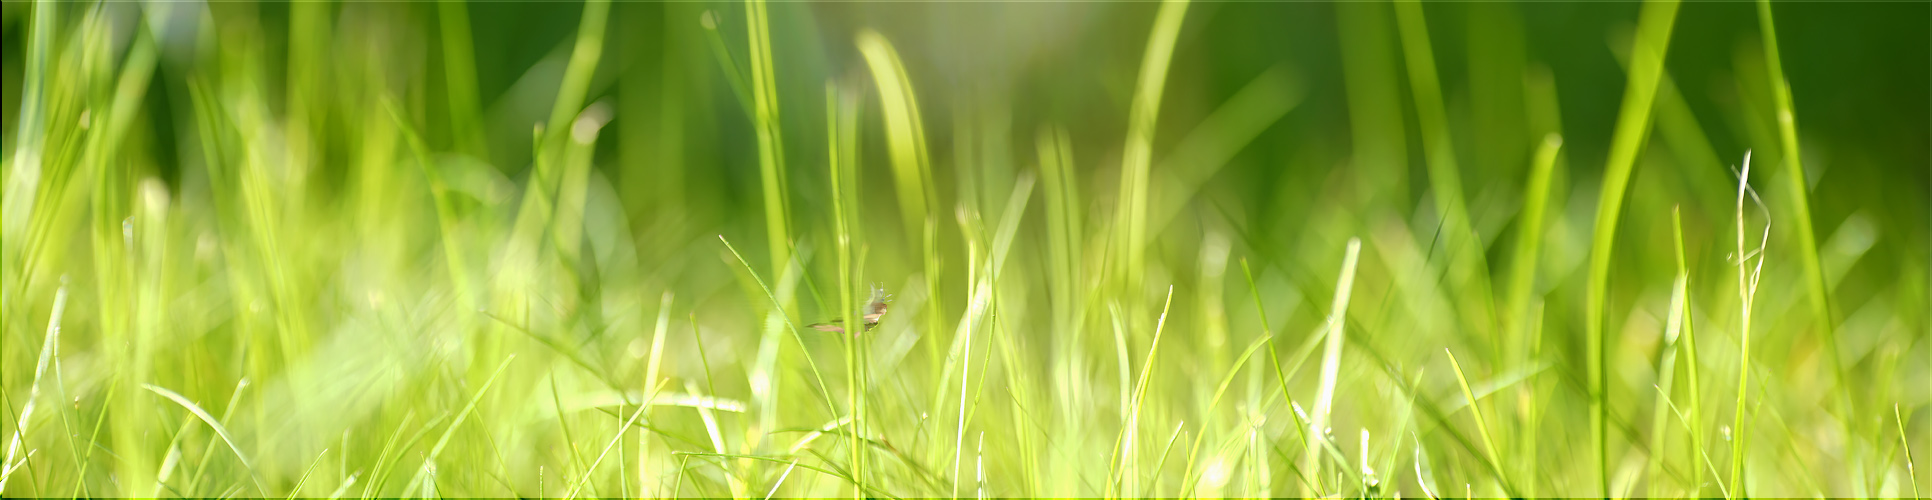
440 248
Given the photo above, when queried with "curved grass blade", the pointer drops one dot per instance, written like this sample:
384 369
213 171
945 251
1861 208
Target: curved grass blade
1187 476
220 430
1489 444
305 474
441 442
1140 396
1633 121
1137 156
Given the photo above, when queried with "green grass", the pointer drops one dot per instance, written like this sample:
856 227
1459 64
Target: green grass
450 248
1633 122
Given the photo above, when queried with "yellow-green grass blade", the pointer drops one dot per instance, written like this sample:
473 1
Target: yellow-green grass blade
1816 295
459 77
771 148
1747 281
788 462
841 117
1378 138
1214 142
1137 157
1476 412
445 208
1911 473
1666 375
297 489
1529 239
1331 356
1691 361
1187 476
436 450
201 469
905 131
778 309
48 344
1117 469
1467 273
215 424
911 167
1633 123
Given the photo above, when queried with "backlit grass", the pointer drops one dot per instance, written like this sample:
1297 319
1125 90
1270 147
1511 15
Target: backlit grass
633 249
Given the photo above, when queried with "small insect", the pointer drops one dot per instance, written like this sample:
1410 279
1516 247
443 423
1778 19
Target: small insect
869 314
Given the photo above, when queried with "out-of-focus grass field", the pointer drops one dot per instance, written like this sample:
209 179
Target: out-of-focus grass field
382 249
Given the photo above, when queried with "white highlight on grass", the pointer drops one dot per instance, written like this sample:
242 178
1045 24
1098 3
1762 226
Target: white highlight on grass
781 479
1332 353
589 122
979 467
1747 283
1421 480
339 490
829 426
1367 472
47 345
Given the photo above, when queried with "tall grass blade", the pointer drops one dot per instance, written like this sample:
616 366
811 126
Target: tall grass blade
1467 273
1529 239
1331 358
1633 123
459 77
1666 374
1816 295
1137 157
771 147
1118 468
1691 361
1747 285
1476 412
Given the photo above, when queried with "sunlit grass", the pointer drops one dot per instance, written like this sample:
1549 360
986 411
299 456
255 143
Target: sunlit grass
304 250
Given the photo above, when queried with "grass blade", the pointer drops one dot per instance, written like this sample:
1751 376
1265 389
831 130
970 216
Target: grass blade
771 147
1137 158
1139 396
48 344
1187 476
1476 412
1331 357
1529 239
305 474
1633 122
1467 272
1911 473
1815 290
220 430
1747 284
441 442
459 76
1696 420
